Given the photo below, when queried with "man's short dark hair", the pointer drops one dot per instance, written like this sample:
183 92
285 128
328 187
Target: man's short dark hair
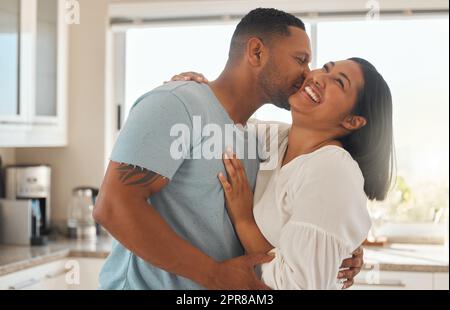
265 24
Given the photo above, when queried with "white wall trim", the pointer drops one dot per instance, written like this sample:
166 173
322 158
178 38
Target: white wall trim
183 9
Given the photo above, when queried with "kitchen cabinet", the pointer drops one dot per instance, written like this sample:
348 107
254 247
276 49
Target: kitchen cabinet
440 281
33 57
63 274
9 58
46 58
393 280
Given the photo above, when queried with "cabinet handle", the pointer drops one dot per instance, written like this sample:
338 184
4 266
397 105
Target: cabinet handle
33 281
24 284
392 283
13 123
56 273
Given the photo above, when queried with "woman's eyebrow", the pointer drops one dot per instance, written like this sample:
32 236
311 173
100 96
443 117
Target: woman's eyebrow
327 65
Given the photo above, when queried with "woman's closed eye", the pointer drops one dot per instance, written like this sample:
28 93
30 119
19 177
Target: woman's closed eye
339 81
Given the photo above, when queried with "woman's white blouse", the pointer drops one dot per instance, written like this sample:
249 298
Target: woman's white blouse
314 212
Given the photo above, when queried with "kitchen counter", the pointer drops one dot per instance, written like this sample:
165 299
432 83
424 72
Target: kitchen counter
15 258
407 257
392 257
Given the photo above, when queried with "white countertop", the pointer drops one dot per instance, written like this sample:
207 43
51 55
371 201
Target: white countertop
408 257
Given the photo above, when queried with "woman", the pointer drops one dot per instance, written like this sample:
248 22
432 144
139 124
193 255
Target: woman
310 212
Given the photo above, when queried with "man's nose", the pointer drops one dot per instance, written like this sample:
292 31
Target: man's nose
306 71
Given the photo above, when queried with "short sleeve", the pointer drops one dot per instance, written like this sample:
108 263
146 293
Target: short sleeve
156 123
329 221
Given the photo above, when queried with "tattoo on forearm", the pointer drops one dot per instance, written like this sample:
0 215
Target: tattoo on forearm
133 175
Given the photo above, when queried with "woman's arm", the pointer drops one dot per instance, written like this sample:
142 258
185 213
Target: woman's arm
252 239
239 201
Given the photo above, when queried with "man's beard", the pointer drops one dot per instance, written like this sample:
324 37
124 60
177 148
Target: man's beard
282 101
267 82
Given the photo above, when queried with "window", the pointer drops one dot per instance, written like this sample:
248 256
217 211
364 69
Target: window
155 54
411 54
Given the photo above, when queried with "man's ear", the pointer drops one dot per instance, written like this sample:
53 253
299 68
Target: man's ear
255 51
353 122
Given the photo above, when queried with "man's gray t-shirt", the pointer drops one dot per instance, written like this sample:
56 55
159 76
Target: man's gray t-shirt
193 202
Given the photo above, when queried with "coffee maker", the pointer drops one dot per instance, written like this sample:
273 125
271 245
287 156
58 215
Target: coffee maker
32 183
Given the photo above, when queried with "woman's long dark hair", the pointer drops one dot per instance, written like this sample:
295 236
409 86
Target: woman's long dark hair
372 146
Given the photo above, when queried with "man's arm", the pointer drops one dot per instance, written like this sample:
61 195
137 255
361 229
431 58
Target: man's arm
351 267
122 208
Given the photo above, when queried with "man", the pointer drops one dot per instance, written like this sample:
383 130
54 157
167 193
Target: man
168 213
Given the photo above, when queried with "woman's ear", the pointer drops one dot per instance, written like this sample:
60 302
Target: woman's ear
354 122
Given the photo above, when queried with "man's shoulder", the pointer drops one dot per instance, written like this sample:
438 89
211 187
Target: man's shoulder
190 94
184 91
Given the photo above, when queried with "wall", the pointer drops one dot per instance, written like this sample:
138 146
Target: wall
83 161
8 156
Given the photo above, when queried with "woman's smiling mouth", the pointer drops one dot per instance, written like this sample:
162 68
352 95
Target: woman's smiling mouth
312 93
